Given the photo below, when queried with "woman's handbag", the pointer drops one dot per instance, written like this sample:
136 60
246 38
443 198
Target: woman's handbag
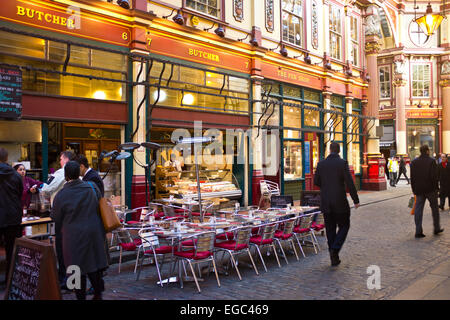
109 217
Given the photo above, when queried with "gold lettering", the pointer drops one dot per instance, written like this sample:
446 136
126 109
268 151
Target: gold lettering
63 21
70 24
55 19
20 11
191 51
39 14
30 13
48 17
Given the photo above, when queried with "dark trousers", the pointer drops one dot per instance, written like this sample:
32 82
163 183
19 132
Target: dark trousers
402 172
418 211
442 198
96 279
9 235
336 238
59 255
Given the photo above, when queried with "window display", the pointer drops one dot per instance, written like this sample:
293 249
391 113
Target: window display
292 160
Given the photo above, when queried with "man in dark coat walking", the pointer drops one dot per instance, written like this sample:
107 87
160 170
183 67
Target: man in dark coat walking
424 184
11 188
444 181
402 170
75 212
332 176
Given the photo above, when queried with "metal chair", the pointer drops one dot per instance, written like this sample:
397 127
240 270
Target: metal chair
151 248
171 211
127 243
268 189
318 225
144 214
265 238
202 251
303 229
239 244
286 234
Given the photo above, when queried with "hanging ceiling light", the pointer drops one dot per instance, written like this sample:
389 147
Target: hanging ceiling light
430 21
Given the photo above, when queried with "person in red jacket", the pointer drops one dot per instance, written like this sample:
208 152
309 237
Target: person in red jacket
30 185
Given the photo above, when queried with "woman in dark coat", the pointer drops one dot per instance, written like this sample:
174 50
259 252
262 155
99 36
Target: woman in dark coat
75 212
30 185
444 181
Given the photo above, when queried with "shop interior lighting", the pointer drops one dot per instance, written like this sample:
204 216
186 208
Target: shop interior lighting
430 21
162 95
99 94
188 99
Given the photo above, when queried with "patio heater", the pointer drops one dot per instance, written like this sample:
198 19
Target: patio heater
131 146
196 141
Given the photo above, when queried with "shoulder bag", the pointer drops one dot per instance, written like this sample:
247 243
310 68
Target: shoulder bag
108 215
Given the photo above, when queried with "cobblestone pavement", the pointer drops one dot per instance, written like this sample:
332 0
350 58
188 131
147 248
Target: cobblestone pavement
381 233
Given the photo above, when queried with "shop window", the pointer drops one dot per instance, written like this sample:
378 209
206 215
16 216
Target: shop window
289 91
421 81
292 118
210 7
335 26
311 117
311 95
385 82
292 16
356 146
292 160
21 45
419 135
83 61
197 89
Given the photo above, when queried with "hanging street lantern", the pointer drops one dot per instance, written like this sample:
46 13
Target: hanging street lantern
430 21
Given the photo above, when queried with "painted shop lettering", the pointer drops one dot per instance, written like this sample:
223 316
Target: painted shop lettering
47 17
291 76
203 55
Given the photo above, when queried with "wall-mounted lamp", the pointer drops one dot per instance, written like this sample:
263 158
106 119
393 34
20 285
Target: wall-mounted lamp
207 29
305 56
431 105
283 51
124 3
178 18
419 105
220 31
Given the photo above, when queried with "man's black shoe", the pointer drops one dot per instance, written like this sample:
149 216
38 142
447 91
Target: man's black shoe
438 231
334 256
420 235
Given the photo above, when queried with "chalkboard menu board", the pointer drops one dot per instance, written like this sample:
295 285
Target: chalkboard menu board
281 201
33 274
10 93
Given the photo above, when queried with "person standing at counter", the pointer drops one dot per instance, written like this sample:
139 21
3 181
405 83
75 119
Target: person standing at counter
332 176
11 189
75 212
30 185
173 163
52 188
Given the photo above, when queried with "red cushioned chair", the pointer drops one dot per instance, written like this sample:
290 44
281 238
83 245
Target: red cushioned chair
303 229
237 245
203 251
206 208
286 234
175 212
265 238
152 248
318 226
127 243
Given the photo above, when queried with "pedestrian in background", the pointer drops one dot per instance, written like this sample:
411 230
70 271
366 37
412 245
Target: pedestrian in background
393 169
424 184
30 185
11 188
444 181
333 176
402 169
90 174
75 212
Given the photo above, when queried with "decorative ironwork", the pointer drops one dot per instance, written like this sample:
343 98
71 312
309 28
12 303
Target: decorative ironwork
314 25
238 10
269 15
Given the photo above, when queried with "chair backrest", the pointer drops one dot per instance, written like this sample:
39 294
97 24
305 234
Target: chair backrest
267 231
319 218
204 242
149 239
242 235
145 213
123 236
288 225
272 187
304 221
169 211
